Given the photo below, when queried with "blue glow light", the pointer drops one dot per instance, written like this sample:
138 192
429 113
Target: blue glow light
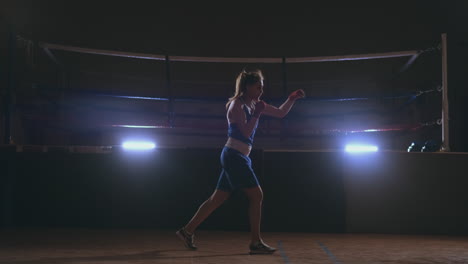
361 148
135 126
138 145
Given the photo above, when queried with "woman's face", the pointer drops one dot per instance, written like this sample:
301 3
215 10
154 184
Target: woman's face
255 91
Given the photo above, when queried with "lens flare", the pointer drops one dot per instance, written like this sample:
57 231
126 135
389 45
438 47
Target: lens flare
361 148
138 145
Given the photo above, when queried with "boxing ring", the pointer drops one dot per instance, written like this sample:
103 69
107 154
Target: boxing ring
199 124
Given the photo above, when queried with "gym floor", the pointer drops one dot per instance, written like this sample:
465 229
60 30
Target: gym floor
141 246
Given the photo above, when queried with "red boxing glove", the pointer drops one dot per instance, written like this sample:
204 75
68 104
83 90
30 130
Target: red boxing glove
259 107
296 95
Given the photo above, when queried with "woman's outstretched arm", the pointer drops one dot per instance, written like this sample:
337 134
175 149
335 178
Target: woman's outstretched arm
284 109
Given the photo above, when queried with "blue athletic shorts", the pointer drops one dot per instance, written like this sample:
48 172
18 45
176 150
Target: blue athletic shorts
237 171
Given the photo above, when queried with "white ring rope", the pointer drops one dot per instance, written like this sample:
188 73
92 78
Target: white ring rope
232 59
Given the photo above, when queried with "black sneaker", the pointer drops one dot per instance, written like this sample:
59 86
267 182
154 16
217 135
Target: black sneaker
186 238
261 248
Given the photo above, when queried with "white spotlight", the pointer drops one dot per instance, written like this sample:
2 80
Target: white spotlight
361 148
138 145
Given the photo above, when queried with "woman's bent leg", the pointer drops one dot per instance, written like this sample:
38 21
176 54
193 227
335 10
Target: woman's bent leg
215 200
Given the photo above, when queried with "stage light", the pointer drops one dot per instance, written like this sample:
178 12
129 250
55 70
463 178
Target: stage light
352 148
138 145
430 146
415 147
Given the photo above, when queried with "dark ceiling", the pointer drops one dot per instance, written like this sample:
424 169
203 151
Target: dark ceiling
233 29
